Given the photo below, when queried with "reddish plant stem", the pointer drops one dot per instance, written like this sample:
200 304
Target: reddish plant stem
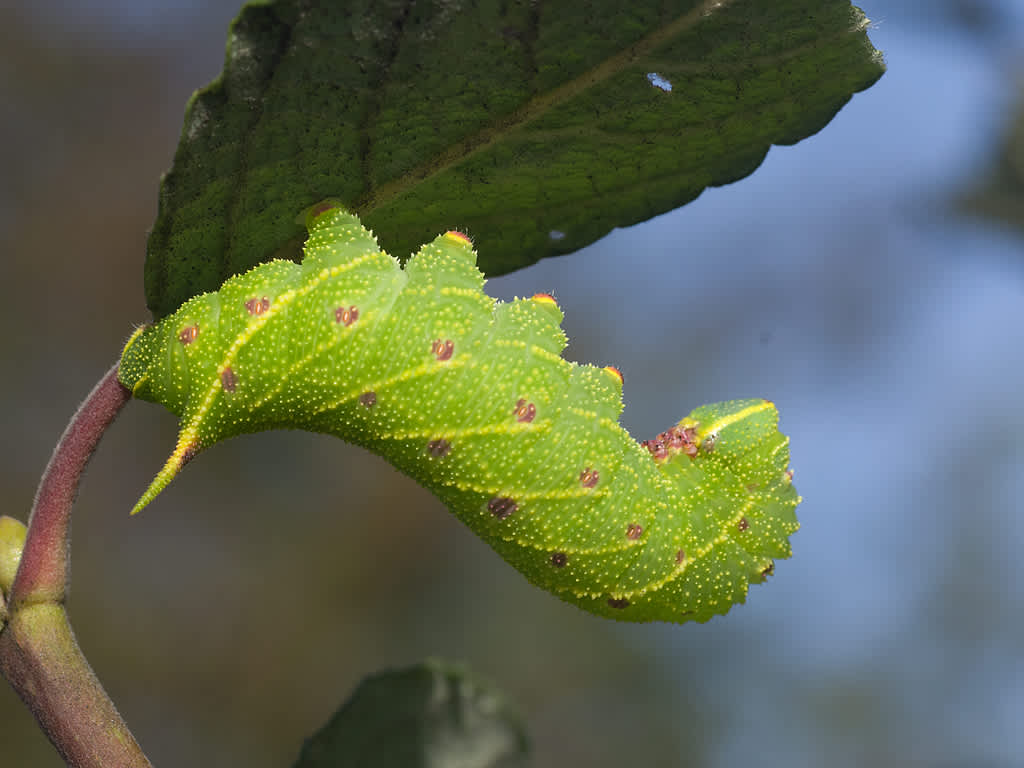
38 652
43 572
43 663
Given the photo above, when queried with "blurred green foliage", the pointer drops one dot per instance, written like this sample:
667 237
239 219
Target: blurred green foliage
432 715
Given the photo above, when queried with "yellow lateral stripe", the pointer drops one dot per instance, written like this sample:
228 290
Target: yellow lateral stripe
700 554
483 299
486 429
281 302
424 369
533 349
732 418
541 547
549 495
332 342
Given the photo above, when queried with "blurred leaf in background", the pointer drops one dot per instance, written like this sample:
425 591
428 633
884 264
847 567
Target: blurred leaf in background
432 715
999 194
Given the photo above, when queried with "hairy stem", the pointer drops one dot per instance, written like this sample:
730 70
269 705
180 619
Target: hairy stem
38 652
42 661
43 573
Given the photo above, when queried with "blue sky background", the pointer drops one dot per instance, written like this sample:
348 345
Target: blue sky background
838 280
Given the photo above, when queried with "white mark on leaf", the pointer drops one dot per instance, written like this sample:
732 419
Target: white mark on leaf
659 82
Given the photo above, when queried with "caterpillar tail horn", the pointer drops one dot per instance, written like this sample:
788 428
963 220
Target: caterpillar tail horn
184 452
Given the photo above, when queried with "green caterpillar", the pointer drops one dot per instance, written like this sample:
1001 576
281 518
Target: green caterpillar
471 398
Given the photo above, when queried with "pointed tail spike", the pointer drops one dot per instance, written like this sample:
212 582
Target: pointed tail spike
188 446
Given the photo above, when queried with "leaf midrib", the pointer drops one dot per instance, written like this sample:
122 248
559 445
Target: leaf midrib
535 108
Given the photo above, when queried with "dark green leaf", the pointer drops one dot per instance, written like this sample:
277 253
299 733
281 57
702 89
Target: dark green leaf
434 715
536 127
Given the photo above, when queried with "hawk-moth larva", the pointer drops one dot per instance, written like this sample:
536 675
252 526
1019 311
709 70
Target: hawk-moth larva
471 398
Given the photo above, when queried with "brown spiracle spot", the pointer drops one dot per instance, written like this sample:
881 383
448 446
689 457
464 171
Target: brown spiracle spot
524 411
678 439
634 531
346 315
442 350
559 559
682 439
680 557
657 449
710 441
188 334
257 307
228 380
589 477
618 602
502 506
743 524
789 475
768 571
189 454
439 448
687 439
368 399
